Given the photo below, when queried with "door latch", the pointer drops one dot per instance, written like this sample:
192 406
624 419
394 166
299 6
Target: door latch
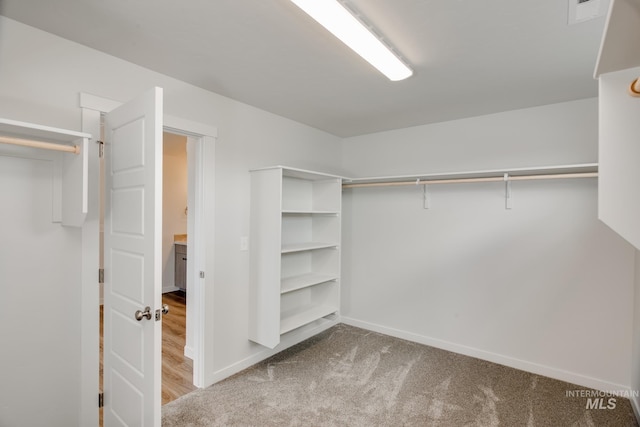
160 312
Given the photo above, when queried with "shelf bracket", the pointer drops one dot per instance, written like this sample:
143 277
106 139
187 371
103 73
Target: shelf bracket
426 197
507 192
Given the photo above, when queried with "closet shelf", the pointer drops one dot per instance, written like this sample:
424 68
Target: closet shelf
302 281
300 316
306 246
300 173
585 170
71 172
34 131
308 212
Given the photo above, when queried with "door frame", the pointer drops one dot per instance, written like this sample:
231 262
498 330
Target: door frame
202 138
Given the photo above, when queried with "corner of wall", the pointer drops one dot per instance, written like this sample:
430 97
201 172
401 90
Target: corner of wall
635 367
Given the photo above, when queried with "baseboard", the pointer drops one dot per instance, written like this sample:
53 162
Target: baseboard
188 352
289 340
523 365
170 289
635 404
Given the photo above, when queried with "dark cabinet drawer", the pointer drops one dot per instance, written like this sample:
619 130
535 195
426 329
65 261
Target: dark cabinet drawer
181 266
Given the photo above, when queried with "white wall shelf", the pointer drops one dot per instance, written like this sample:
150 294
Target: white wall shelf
295 251
498 174
74 179
302 315
308 246
309 212
302 281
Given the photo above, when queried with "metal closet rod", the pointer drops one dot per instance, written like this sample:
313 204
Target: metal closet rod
75 149
471 180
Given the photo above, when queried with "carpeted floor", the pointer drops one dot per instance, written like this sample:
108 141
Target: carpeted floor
352 377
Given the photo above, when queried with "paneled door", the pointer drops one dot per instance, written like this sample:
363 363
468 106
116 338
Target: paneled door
132 262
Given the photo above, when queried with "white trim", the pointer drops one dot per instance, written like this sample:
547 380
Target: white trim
188 127
98 103
90 291
635 405
170 122
188 352
204 135
196 261
170 289
523 365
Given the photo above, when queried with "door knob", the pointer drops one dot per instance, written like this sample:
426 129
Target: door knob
142 314
165 308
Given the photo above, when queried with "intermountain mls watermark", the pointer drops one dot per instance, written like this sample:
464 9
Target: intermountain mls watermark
598 399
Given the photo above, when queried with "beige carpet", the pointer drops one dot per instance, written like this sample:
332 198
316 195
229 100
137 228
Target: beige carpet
351 377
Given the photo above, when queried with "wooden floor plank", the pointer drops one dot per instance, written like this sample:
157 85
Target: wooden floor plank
177 370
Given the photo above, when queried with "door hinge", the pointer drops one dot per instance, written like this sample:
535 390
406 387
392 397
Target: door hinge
100 149
101 275
101 400
202 274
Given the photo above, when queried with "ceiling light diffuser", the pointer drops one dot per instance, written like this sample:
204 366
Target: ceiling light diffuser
341 23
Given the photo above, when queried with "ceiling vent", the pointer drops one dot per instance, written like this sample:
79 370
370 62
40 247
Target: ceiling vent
586 10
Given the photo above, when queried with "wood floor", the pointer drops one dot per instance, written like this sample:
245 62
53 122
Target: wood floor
177 370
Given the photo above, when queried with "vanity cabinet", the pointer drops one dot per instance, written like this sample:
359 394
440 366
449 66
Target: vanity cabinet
181 266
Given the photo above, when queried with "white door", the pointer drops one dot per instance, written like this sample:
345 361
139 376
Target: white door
132 263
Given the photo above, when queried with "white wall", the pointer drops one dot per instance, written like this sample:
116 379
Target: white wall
174 202
635 366
543 287
40 79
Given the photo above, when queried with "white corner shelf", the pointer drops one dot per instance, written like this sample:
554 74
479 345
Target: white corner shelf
74 173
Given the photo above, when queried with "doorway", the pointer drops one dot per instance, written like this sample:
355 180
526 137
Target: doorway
177 368
201 140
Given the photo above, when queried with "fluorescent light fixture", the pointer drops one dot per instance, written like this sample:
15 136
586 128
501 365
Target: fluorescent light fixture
341 23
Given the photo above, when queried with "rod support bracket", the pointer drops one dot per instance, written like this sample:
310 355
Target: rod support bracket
426 198
507 192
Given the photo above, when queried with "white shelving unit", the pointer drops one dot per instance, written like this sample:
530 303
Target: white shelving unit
70 179
617 68
295 251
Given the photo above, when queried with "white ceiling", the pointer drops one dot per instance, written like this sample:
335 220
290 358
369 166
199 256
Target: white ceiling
469 57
